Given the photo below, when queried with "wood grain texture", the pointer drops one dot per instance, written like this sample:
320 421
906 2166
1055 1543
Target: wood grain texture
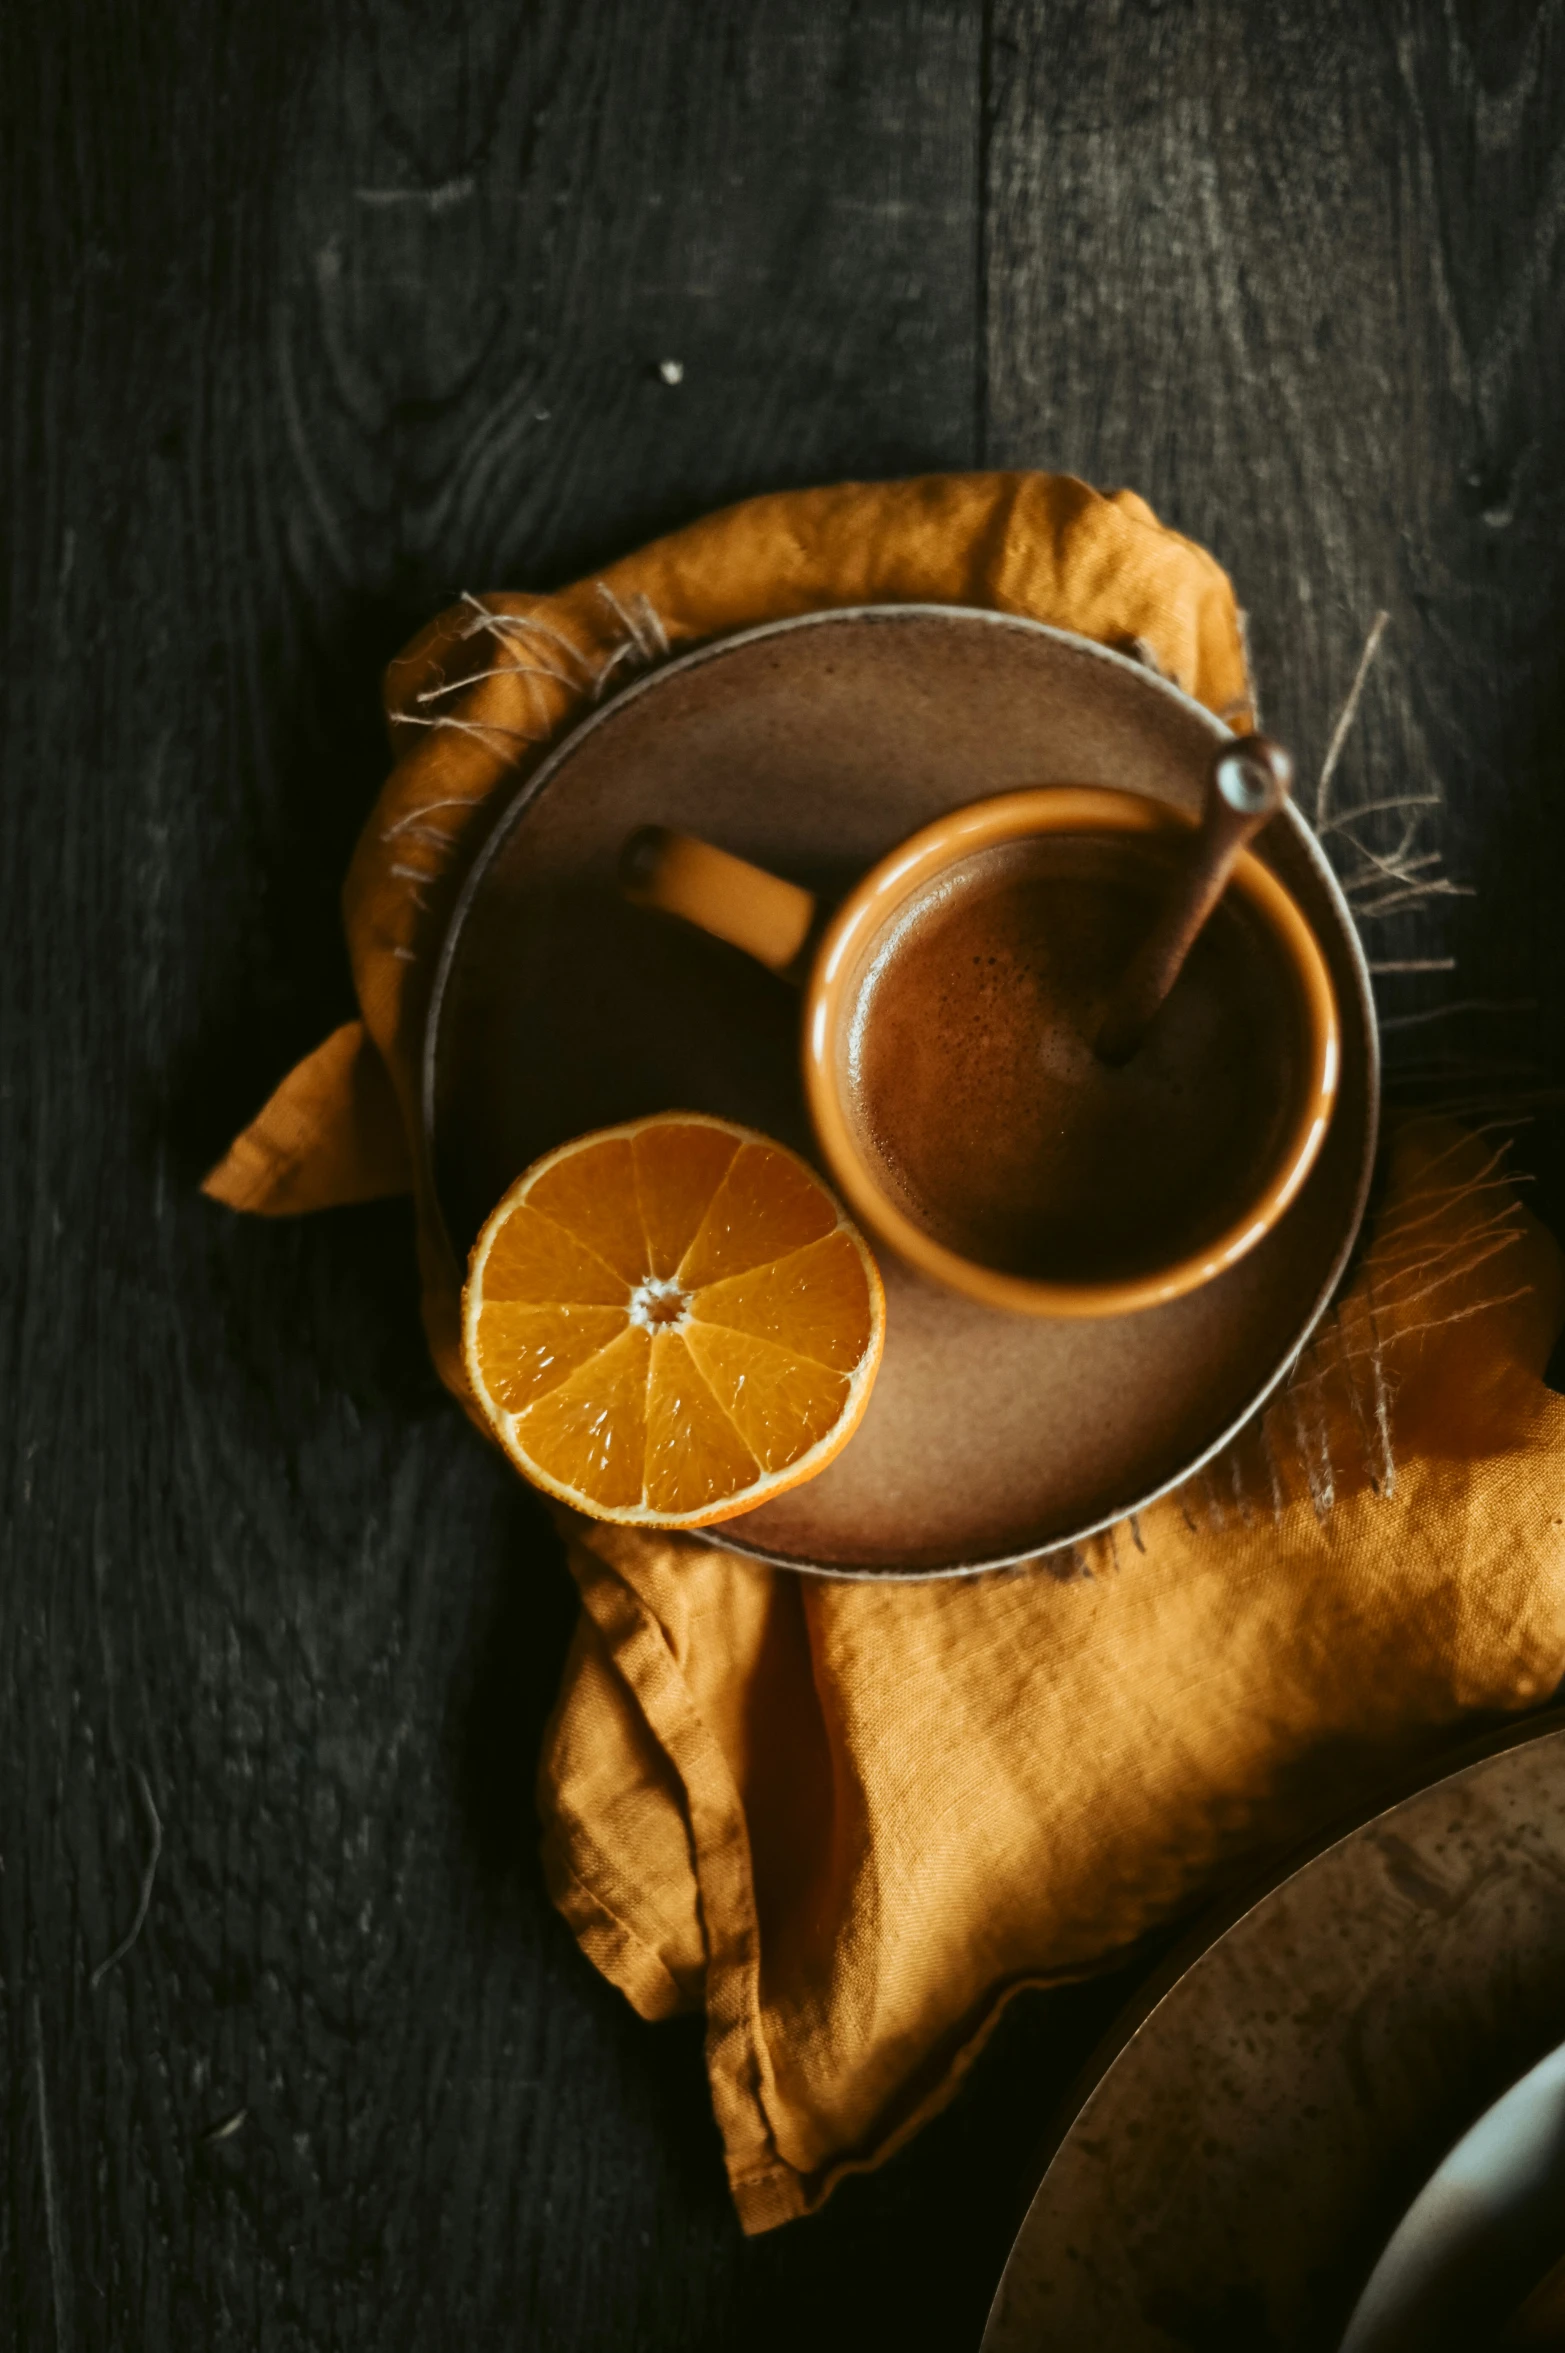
313 315
1294 273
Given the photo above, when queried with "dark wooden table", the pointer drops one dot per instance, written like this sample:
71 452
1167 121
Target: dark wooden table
313 315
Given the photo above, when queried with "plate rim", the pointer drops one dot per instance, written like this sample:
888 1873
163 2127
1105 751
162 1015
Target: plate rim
533 785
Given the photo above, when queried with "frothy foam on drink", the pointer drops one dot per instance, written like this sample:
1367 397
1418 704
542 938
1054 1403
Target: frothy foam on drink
978 1099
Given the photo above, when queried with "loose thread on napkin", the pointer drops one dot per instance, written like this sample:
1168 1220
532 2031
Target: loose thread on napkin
1497 1089
643 642
545 654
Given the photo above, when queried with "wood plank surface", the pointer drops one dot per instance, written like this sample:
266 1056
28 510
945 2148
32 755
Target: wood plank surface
311 316
1294 273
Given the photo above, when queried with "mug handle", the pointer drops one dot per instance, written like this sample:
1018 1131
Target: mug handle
768 918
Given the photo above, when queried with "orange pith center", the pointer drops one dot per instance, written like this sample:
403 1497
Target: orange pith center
657 1305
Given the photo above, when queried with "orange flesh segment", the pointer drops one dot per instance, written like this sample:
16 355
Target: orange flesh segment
814 1303
534 1259
531 1350
779 1405
695 1455
588 1193
679 1167
591 1432
766 1205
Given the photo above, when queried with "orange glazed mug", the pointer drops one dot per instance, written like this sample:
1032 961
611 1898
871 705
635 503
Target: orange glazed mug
950 1004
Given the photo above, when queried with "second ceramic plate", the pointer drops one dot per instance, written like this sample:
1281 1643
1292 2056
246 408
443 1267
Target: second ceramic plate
813 747
1247 2140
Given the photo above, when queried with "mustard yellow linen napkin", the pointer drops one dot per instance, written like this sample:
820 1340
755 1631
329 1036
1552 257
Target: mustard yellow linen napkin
851 1819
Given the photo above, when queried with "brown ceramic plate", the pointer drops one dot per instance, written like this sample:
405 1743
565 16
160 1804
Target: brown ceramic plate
813 747
1256 2127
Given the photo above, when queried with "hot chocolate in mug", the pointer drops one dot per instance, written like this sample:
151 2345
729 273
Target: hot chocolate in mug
953 1004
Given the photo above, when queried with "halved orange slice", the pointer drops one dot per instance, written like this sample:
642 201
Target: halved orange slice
670 1322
